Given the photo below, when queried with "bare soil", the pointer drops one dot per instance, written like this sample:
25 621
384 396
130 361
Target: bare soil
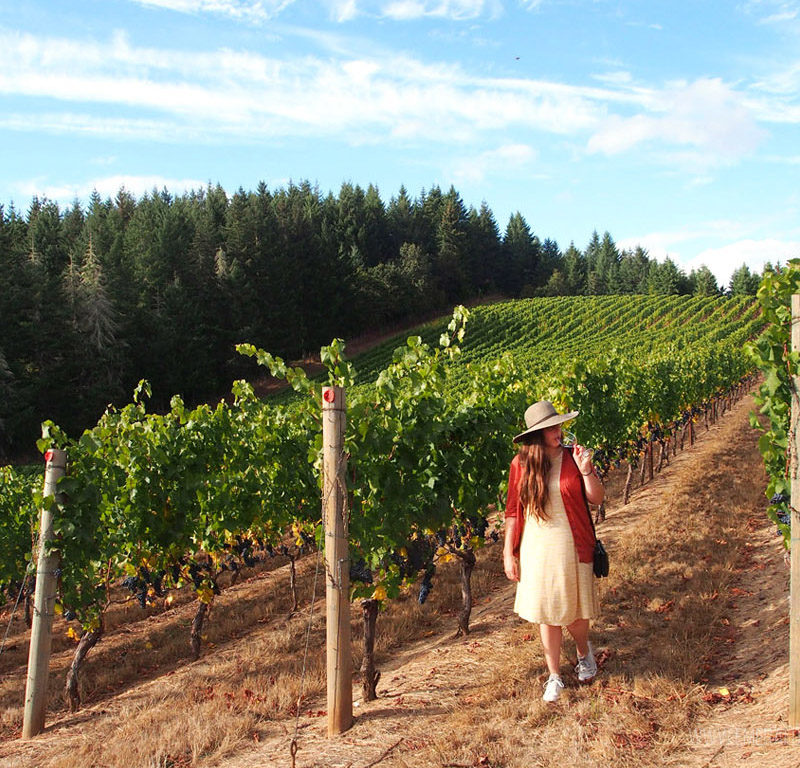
692 640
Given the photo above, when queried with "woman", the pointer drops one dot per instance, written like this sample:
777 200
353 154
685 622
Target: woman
549 541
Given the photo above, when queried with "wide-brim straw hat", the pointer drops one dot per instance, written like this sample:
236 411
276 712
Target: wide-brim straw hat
542 415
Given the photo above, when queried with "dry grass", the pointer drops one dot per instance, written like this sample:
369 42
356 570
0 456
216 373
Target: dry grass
146 706
140 644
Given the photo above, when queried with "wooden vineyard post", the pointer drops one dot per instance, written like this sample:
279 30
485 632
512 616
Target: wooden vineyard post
794 604
43 605
337 562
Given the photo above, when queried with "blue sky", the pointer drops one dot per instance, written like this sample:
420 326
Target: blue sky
673 125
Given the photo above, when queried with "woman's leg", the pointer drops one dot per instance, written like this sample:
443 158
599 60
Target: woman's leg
551 640
579 629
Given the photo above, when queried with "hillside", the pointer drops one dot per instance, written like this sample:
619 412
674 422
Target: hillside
541 332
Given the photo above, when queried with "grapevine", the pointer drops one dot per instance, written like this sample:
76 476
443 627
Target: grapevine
771 351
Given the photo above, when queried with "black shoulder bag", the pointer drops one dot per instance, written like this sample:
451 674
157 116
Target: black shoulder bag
600 558
600 562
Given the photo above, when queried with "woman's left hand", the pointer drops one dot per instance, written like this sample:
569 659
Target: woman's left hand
593 485
583 458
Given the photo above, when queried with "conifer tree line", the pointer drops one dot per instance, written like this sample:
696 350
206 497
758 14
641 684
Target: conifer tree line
94 299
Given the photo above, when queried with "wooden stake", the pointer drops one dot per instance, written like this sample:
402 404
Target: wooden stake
43 605
794 606
337 562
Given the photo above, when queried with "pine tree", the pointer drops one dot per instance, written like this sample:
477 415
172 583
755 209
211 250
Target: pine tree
550 260
595 275
429 215
743 282
377 243
483 250
47 244
557 284
19 333
666 278
607 265
449 269
401 220
634 270
703 283
575 270
97 316
520 257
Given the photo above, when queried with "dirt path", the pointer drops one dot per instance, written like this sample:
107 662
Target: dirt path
424 686
748 676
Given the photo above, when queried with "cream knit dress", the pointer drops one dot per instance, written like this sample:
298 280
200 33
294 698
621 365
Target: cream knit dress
554 587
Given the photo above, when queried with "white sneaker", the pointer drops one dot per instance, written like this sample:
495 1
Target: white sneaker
553 688
587 666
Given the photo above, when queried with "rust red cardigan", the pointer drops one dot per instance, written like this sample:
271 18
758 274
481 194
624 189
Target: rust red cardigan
574 502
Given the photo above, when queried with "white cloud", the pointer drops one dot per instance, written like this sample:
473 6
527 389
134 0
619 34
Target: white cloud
239 10
85 124
723 261
658 245
783 81
503 161
106 186
412 10
774 98
404 10
344 10
784 159
644 25
104 160
685 246
666 241
780 18
172 93
773 12
705 114
617 78
211 95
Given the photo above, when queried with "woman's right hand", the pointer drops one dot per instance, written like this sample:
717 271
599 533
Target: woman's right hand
511 566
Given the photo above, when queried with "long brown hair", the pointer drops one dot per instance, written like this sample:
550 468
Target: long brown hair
535 465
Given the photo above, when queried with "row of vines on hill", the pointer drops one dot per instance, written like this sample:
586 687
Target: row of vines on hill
539 331
158 501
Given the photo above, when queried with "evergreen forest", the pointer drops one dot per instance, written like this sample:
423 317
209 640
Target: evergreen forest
95 298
